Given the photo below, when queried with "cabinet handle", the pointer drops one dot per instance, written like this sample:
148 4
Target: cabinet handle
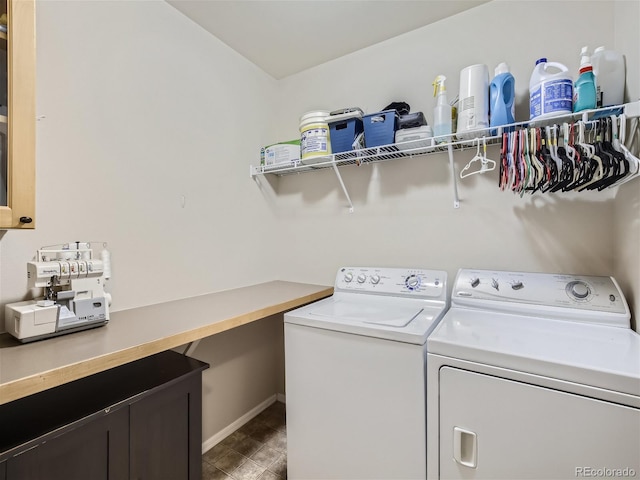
26 219
465 447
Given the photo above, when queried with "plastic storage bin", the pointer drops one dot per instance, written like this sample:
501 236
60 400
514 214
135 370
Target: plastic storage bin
380 128
343 130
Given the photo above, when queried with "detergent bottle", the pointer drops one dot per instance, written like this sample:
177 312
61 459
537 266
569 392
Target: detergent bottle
584 94
502 102
550 90
442 124
610 72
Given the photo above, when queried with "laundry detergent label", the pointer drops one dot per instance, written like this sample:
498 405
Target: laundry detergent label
553 96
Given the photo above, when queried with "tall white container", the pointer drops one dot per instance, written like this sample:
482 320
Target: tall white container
610 72
473 103
550 90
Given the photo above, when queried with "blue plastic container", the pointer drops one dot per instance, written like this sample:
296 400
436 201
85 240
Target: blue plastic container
343 133
502 91
380 128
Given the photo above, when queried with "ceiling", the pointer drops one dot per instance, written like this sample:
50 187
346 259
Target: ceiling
284 37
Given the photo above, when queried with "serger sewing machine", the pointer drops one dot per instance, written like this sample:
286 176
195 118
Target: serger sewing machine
75 299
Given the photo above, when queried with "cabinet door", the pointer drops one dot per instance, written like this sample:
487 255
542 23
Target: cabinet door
17 116
493 428
166 433
97 450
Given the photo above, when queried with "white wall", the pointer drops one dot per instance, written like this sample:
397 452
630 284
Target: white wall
403 209
138 107
627 204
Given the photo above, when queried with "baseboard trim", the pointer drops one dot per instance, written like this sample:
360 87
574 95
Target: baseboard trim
281 397
229 429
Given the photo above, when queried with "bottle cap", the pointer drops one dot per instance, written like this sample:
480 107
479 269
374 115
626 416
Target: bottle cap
585 59
502 68
541 60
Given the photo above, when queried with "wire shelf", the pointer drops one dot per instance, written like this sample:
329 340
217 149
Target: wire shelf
410 149
434 145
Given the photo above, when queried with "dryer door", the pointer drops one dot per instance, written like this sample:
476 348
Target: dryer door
494 428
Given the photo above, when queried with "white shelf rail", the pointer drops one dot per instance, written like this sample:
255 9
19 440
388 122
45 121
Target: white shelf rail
434 145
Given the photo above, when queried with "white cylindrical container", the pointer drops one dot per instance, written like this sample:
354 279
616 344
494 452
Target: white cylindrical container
610 73
550 90
473 103
314 135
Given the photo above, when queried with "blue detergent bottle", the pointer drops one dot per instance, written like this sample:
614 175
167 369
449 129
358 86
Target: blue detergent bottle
584 93
502 92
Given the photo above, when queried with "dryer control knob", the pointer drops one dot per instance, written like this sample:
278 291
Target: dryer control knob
348 277
361 278
375 279
579 289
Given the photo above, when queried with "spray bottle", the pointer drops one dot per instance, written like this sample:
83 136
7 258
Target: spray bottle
584 93
442 111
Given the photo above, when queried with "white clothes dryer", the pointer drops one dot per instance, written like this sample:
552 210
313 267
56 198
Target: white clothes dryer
536 376
355 375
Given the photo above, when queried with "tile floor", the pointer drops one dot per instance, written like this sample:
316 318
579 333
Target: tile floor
256 451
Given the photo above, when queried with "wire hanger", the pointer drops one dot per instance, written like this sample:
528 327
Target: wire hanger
486 164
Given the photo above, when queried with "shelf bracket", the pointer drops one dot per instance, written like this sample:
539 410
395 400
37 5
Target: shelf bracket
344 189
456 200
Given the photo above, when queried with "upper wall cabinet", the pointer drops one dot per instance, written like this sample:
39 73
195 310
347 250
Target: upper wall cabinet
17 113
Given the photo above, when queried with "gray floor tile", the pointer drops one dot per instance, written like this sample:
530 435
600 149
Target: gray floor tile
229 462
255 451
267 475
247 446
265 456
249 470
261 432
215 453
209 472
279 467
278 442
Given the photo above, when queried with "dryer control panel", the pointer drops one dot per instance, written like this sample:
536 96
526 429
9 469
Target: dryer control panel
582 297
413 282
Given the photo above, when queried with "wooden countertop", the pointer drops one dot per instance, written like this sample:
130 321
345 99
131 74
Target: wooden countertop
140 332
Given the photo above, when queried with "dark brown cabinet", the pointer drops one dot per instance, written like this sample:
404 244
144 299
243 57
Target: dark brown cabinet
140 421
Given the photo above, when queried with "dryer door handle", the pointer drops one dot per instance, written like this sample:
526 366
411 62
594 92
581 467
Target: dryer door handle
465 447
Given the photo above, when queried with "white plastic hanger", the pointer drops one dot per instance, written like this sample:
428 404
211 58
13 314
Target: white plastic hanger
619 144
486 164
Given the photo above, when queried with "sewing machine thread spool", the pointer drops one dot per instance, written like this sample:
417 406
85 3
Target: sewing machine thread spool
105 255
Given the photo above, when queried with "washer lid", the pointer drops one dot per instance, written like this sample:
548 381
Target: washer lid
400 319
397 316
589 354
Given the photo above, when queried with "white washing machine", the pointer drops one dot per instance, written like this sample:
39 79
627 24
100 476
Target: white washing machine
535 376
355 375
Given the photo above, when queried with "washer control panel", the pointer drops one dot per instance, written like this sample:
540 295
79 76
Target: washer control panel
414 282
583 293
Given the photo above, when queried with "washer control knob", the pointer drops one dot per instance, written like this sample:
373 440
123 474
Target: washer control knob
517 285
495 284
412 282
348 277
375 279
578 289
475 282
361 278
